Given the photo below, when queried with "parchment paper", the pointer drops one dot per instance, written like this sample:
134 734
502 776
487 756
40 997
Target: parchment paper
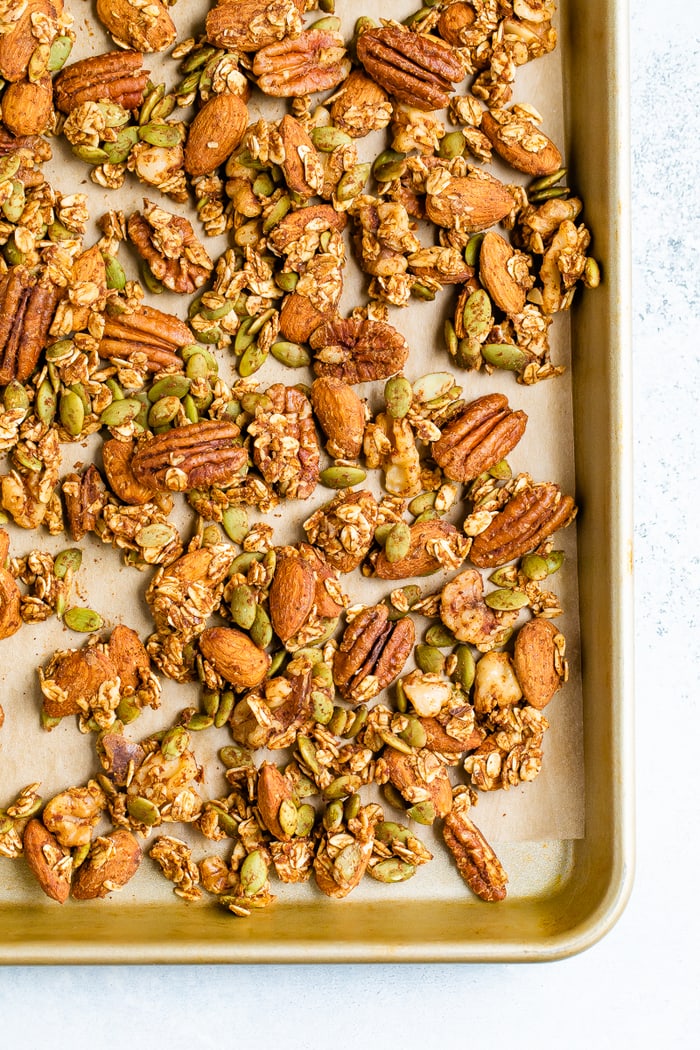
550 808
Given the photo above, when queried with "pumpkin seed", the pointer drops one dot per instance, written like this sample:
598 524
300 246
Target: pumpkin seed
90 154
252 360
143 810
591 273
356 723
327 139
555 560
277 212
473 248
71 412
504 355
322 707
223 711
253 873
333 816
477 317
506 598
127 710
422 812
288 816
330 24
352 182
338 720
119 413
163 412
66 561
175 741
261 631
342 477
392 740
290 354
197 722
392 870
9 166
242 606
398 542
344 785
432 386
414 733
235 523
287 280
243 562
546 181
351 807
429 659
235 757
389 165
153 285
501 470
114 272
393 796
465 667
425 501
306 818
308 753
169 386
452 145
398 395
535 567
440 636
118 151
84 620
190 408
210 701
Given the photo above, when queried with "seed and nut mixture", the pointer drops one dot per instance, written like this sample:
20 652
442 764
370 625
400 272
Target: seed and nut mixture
340 724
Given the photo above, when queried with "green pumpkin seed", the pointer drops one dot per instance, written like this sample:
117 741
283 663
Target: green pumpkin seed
501 470
398 542
127 710
351 807
534 566
505 356
591 273
253 873
477 317
452 145
190 409
342 477
288 816
422 291
330 24
169 386
197 722
393 796
344 785
392 740
277 212
261 630
473 249
465 667
392 870
14 204
440 636
9 166
308 753
90 154
306 818
224 710
235 757
546 181
114 272
422 812
71 412
263 186
156 536
175 741
153 285
506 599
154 93
389 165
119 150
66 561
555 560
333 816
432 386
290 354
429 659
210 701
322 672
352 182
143 811
58 233
398 395
359 718
119 413
252 360
339 720
235 523
49 722
243 562
164 411
287 280
243 606
414 734
322 707
15 397
503 577
326 139
84 620
421 503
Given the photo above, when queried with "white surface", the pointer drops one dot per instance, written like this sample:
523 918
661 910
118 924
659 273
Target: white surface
639 986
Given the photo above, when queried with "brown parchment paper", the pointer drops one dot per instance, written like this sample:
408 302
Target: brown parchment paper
552 807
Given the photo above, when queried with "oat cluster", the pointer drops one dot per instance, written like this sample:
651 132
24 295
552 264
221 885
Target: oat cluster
341 726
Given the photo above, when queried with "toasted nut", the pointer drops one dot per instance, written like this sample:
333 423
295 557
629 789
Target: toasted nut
234 656
538 661
131 23
341 414
526 520
273 790
421 559
464 611
520 143
50 863
214 133
112 861
476 861
484 433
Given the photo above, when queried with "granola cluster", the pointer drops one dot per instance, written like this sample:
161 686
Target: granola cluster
368 726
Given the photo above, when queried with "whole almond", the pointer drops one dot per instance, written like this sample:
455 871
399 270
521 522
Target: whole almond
473 203
419 561
299 318
10 619
405 774
291 594
18 45
536 657
129 656
273 790
27 107
77 676
49 862
214 133
151 29
507 293
301 166
341 414
234 656
544 160
112 861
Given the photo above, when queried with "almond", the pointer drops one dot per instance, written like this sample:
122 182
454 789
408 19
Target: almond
507 293
112 861
18 45
299 318
248 25
341 414
76 676
544 160
49 862
419 561
537 660
301 166
234 656
214 133
291 594
144 28
273 790
472 203
27 107
10 618
420 775
127 653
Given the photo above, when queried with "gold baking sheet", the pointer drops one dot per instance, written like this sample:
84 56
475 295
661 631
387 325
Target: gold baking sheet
565 840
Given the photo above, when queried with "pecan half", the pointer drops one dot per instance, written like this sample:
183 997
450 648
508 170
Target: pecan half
169 245
526 520
476 861
372 653
149 333
285 445
117 76
195 456
248 25
358 351
484 433
117 457
413 67
84 497
27 308
316 60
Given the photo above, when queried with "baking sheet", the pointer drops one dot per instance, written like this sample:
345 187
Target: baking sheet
533 826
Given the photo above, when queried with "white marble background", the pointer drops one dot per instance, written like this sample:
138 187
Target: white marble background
639 986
